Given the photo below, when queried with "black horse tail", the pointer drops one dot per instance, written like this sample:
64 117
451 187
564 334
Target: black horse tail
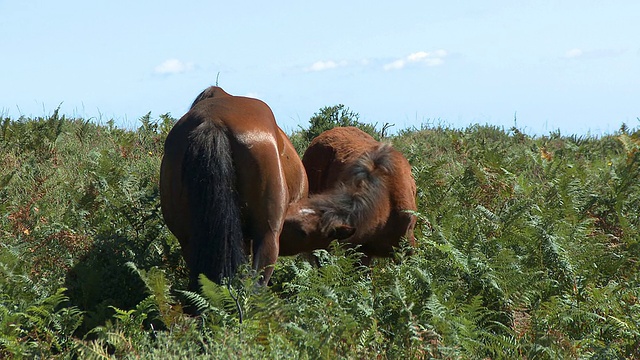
216 244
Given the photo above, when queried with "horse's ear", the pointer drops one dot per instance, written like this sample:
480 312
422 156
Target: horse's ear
341 232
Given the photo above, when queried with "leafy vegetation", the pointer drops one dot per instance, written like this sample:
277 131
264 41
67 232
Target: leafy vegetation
327 118
527 248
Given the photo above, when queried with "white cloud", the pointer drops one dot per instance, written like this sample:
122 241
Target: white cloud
396 65
573 53
419 56
326 65
173 66
593 53
433 58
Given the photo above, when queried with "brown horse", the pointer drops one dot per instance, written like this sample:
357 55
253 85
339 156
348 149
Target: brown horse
362 192
227 177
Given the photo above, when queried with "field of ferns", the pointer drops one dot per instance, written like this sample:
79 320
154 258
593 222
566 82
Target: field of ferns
528 247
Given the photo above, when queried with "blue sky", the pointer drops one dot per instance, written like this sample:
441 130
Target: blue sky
567 65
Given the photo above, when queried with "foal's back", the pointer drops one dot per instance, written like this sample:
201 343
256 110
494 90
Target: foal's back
328 155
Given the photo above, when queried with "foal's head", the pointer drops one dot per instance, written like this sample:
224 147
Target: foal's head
307 227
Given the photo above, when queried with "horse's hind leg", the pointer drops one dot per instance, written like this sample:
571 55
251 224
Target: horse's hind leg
264 193
265 255
268 218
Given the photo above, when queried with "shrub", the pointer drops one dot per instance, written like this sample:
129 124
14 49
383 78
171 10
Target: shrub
327 118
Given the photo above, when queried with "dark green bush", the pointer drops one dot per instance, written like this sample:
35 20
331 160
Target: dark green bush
327 118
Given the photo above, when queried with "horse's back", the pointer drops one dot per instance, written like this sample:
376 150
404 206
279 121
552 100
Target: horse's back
240 115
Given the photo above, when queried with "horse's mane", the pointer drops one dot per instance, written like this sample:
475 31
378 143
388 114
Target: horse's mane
355 200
